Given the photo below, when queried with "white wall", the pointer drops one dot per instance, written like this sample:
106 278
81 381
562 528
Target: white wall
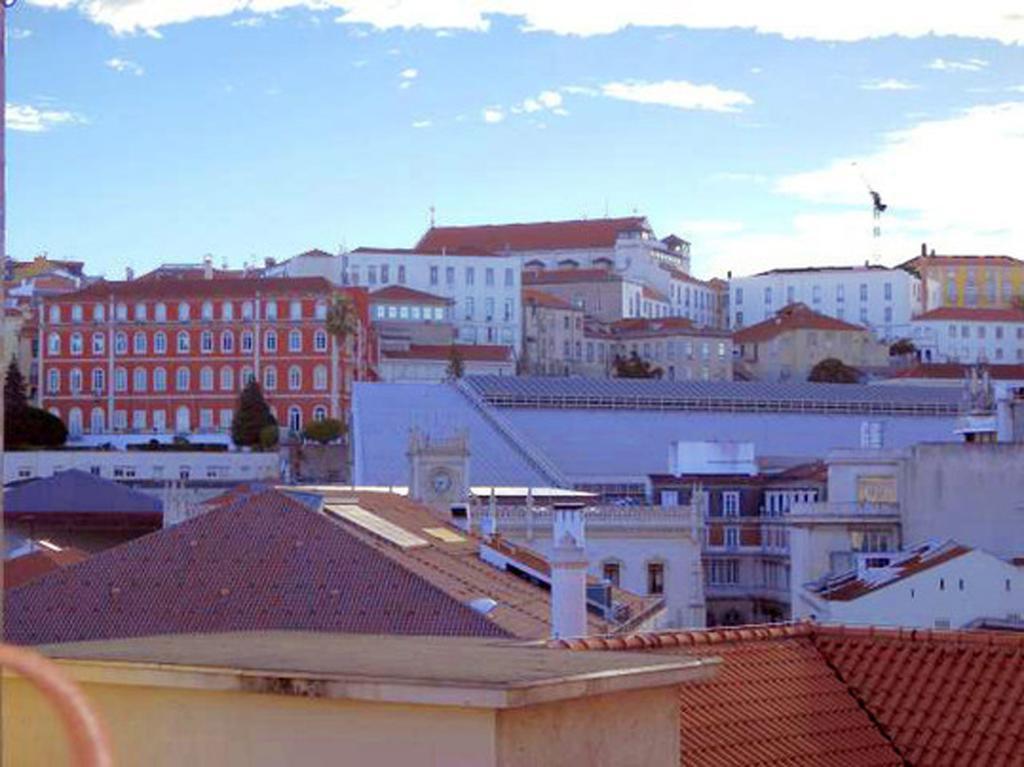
969 341
137 464
436 371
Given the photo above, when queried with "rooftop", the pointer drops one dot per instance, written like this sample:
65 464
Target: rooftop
441 250
46 558
77 492
789 318
967 314
400 293
959 371
544 235
173 289
570 276
547 300
467 352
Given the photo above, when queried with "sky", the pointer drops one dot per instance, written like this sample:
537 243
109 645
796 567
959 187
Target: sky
142 132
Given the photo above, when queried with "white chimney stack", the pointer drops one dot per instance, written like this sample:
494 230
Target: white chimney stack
207 267
569 572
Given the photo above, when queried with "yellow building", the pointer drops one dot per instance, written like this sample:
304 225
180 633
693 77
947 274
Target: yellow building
276 698
971 281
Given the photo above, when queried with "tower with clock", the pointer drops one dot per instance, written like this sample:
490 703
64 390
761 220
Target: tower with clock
438 468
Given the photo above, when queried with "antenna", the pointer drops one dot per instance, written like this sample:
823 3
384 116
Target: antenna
432 212
877 209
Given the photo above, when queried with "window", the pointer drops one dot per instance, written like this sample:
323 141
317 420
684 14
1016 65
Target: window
76 313
121 343
888 314
863 291
888 291
53 344
227 310
139 379
206 341
270 378
247 376
489 309
981 331
75 380
160 343
320 310
159 381
183 341
227 379
371 275
840 293
53 381
449 275
294 378
510 279
270 310
97 421
354 276
183 379
508 310
401 274
247 341
227 341
120 379
139 343
121 312
55 314
207 310
247 310
140 312
75 422
138 420
816 294
270 341
183 311
295 341
295 419
723 572
98 379
489 276
655 578
768 296
98 343
433 275
320 378
206 422
98 314
470 276
385 274
295 310
731 503
732 537
320 341
999 332
469 308
611 572
319 413
206 379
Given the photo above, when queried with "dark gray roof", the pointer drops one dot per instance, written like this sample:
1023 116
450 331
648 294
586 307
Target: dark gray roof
77 492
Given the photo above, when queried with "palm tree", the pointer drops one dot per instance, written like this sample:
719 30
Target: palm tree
342 325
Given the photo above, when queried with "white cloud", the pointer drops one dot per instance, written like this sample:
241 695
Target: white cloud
679 94
125 66
889 84
18 33
793 19
968 65
756 70
951 182
249 21
409 74
492 115
30 119
550 99
422 124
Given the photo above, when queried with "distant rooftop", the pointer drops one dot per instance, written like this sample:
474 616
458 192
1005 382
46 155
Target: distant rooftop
77 492
545 235
789 318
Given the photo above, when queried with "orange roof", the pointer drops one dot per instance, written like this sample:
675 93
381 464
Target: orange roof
568 276
804 694
468 352
196 288
675 274
965 314
945 370
540 298
852 585
545 235
459 250
30 566
789 318
402 293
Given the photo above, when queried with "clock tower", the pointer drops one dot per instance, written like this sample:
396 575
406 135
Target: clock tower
438 468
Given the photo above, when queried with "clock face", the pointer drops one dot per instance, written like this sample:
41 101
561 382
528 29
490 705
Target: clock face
441 481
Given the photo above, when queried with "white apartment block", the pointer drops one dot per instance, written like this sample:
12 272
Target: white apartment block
883 300
955 334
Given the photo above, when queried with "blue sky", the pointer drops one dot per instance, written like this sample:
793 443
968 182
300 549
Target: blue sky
147 131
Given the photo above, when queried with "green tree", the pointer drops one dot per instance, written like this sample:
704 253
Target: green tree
834 370
634 366
902 348
342 321
252 416
327 430
456 365
24 425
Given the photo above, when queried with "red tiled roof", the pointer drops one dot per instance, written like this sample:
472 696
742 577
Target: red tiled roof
267 562
966 314
200 288
456 250
789 318
569 276
30 566
546 235
675 274
852 586
190 273
803 694
956 370
468 352
646 327
402 293
539 297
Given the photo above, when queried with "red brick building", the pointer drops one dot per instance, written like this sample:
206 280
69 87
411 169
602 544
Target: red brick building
171 356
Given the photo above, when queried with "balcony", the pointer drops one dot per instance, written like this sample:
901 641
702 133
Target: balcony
843 511
523 519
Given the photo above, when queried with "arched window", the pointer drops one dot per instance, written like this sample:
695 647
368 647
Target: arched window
98 343
97 421
227 342
320 341
247 310
139 342
183 341
120 379
75 380
270 310
207 310
75 422
183 420
206 341
139 384
270 378
183 379
320 311
99 379
160 314
247 341
295 341
160 343
140 312
247 376
320 378
55 314
206 379
319 413
98 313
76 343
121 312
183 311
295 310
159 379
121 343
76 313
294 378
270 341
53 381
53 344
294 419
227 310
227 379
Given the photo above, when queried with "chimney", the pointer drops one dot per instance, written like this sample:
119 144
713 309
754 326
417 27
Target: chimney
924 249
461 516
207 267
568 572
269 262
129 274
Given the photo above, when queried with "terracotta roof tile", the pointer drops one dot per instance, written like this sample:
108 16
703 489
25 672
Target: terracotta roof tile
30 566
402 293
955 370
791 317
545 235
198 288
967 314
540 298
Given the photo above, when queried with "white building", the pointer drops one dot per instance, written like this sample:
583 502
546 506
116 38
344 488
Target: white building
879 298
932 585
957 334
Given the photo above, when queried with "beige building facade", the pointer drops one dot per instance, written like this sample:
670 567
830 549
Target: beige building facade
552 335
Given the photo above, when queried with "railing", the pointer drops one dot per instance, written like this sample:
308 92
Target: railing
601 517
844 509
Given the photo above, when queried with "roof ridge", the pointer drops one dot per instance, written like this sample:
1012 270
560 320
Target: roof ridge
687 638
948 637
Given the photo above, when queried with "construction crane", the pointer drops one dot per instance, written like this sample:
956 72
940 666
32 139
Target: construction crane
877 209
